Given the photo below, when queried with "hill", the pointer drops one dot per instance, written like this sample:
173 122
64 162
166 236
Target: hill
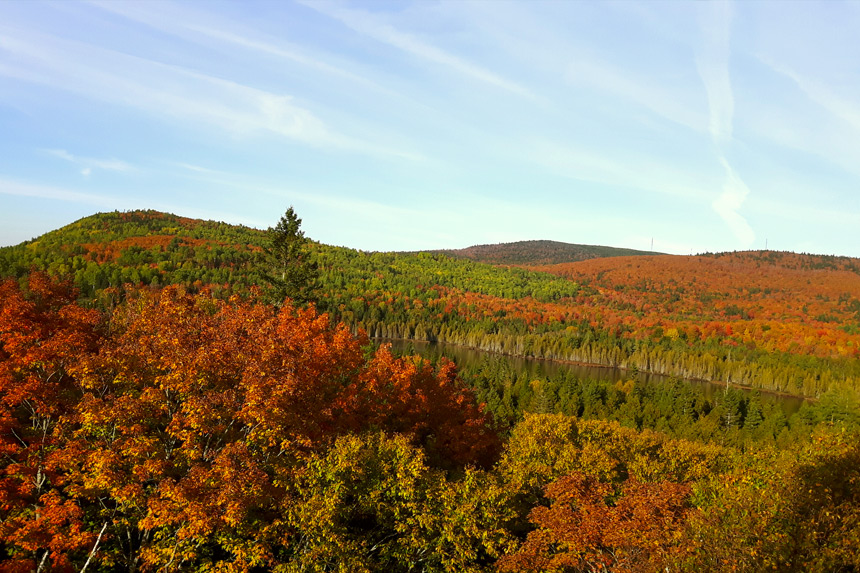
149 247
239 437
777 321
111 249
538 253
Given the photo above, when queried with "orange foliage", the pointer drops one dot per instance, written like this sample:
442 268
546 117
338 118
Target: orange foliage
773 301
104 252
590 526
189 417
43 334
407 395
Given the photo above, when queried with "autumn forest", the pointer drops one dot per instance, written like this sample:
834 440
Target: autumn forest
186 395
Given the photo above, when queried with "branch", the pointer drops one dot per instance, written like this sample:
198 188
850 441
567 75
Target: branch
42 562
172 554
14 433
95 548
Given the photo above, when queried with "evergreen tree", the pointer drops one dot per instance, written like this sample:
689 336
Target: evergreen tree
291 272
755 412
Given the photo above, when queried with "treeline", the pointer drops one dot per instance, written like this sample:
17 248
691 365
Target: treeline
800 261
766 320
674 407
350 274
537 253
185 432
524 328
734 322
151 248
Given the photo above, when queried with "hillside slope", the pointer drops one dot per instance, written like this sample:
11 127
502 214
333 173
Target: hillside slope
229 429
778 321
537 253
149 247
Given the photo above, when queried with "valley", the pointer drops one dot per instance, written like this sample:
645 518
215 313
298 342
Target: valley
630 411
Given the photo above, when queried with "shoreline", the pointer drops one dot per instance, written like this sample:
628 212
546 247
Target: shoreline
723 383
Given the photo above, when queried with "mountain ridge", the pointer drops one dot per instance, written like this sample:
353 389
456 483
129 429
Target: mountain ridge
538 252
778 321
159 226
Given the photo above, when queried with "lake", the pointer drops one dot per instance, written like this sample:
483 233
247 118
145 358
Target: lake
465 357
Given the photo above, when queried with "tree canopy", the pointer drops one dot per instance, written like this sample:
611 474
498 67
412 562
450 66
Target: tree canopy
291 271
179 431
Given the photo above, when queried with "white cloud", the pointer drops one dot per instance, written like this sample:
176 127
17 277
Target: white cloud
811 131
728 204
193 25
660 100
712 61
62 154
806 214
16 188
197 168
88 163
839 106
367 24
174 93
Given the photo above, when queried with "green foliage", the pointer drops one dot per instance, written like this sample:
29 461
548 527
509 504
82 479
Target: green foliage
108 250
292 273
538 253
431 296
205 435
371 503
419 275
795 510
674 407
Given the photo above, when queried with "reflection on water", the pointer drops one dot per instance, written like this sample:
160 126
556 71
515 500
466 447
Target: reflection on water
465 357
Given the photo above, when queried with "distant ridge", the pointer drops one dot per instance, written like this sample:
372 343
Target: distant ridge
538 253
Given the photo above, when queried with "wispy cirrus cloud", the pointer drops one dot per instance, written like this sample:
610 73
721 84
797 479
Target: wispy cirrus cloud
729 202
364 209
172 92
87 164
197 26
660 100
21 189
842 108
381 31
197 168
712 61
17 188
847 218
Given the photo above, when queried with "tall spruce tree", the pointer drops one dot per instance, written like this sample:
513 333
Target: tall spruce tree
291 271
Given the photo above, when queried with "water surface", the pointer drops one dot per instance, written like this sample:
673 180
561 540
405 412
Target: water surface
465 357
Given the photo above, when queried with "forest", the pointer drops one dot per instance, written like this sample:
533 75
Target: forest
780 322
537 253
182 431
164 406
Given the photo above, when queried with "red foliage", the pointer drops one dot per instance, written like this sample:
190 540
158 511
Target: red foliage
188 415
43 335
593 526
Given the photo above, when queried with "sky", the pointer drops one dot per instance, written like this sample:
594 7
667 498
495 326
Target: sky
695 126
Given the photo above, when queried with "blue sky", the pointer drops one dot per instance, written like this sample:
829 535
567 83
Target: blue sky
421 125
